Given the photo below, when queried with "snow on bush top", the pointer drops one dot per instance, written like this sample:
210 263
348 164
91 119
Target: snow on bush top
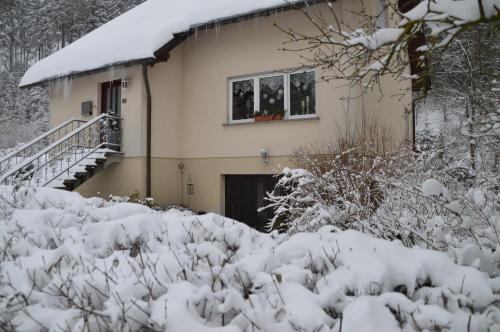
137 34
432 187
68 263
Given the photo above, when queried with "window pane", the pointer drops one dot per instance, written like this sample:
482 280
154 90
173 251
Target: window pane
302 93
272 94
381 14
243 96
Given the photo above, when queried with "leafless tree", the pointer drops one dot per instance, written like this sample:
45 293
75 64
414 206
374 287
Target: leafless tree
393 36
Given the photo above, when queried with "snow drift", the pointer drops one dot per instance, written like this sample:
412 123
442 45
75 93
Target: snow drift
69 263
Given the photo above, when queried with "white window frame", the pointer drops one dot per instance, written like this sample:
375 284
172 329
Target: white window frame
230 91
256 87
302 116
286 101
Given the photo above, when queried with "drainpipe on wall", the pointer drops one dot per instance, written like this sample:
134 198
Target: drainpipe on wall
148 127
414 125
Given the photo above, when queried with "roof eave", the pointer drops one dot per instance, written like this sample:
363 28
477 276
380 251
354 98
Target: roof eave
91 71
250 15
163 53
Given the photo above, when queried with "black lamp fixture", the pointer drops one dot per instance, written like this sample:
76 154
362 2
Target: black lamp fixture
125 83
264 156
190 186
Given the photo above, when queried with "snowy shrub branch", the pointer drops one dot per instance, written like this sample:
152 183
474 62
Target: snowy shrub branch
337 189
72 264
363 55
396 196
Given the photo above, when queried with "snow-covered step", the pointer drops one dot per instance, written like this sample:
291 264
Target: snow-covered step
97 155
65 163
82 171
66 176
88 162
78 169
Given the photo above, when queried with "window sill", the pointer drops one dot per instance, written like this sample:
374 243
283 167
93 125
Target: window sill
229 124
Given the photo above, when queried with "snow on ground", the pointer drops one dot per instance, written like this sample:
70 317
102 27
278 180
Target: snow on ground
430 116
69 263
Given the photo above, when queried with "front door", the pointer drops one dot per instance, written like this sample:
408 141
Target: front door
111 95
245 194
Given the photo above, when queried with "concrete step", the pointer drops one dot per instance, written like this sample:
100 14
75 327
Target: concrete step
90 167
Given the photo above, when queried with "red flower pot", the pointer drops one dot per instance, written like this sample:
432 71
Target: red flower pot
269 117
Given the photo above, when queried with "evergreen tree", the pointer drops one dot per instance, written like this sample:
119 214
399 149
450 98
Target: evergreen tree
30 31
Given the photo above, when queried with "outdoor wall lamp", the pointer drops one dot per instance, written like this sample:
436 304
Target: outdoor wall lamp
190 186
125 83
264 156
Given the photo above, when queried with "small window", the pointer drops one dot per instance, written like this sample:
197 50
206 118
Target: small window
302 94
243 100
287 95
272 94
381 14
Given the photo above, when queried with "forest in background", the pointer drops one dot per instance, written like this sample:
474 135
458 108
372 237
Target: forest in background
30 31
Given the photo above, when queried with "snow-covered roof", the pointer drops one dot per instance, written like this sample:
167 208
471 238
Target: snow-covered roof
138 34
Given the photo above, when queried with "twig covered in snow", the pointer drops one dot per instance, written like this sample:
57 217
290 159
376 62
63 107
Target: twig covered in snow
364 55
74 264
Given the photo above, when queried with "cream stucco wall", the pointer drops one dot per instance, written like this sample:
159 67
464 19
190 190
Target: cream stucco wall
168 184
207 175
66 97
167 181
190 112
167 91
117 179
211 58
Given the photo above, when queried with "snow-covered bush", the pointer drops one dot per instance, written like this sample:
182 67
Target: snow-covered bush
12 198
335 189
418 199
432 198
74 264
134 197
438 205
462 216
335 184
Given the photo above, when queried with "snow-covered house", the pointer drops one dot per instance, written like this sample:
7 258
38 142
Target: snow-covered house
188 79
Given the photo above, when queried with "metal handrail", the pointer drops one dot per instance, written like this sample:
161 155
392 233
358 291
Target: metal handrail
67 168
48 153
48 162
21 152
39 138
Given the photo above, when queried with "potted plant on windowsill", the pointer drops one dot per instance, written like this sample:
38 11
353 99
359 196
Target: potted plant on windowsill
267 116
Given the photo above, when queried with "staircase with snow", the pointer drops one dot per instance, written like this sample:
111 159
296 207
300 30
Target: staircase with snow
66 156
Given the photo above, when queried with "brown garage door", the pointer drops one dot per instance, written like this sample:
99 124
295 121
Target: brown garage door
244 195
